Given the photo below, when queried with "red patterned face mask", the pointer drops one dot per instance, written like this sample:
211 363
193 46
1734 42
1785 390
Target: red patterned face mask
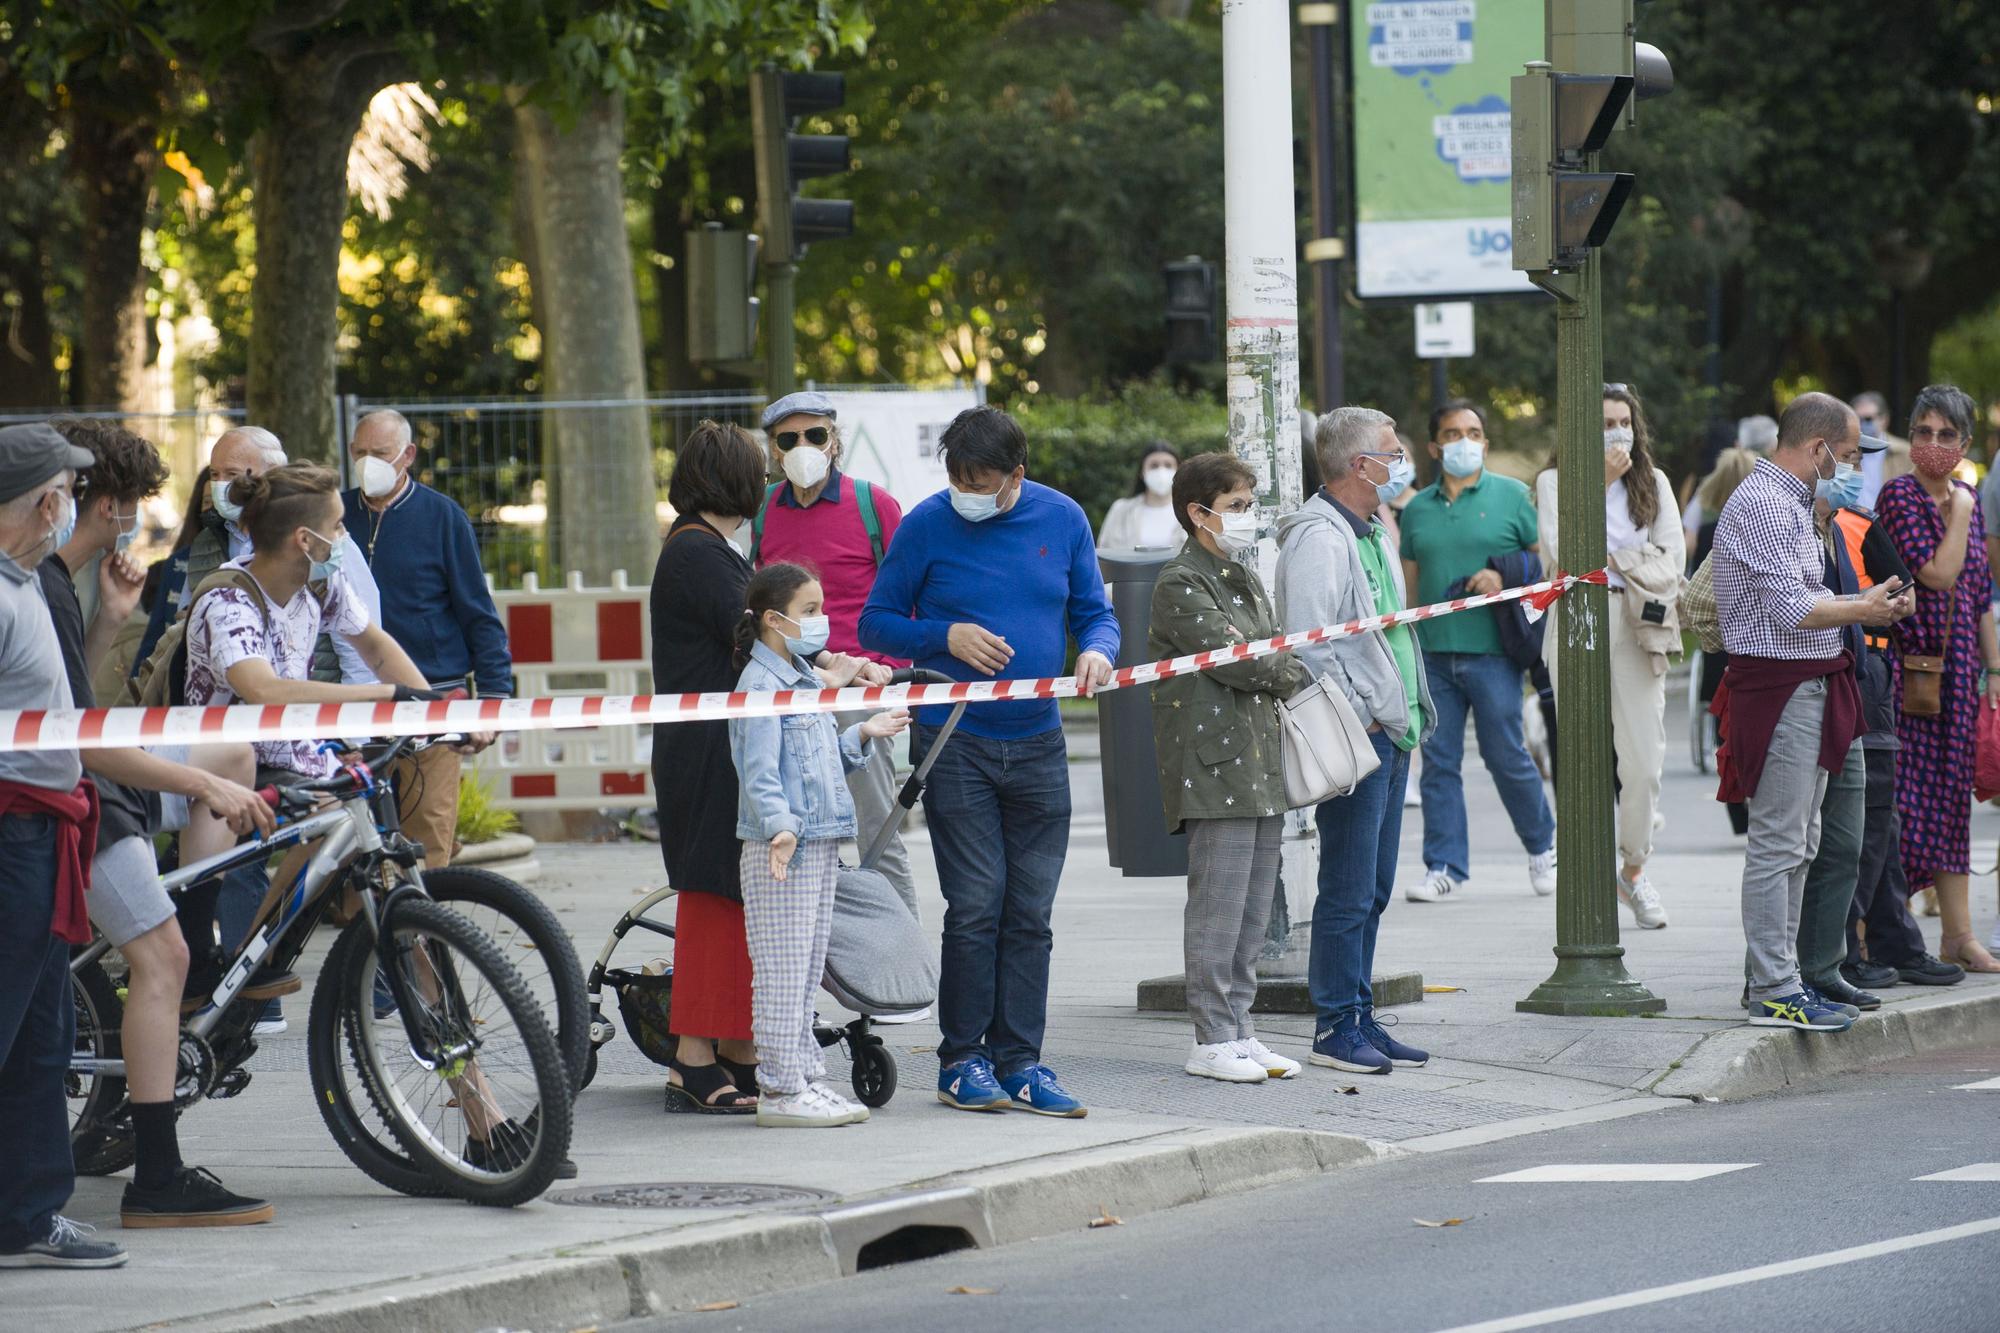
1936 460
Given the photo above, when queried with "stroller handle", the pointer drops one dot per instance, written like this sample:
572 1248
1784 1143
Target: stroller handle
919 676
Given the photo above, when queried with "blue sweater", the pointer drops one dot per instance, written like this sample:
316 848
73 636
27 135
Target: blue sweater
434 598
1029 575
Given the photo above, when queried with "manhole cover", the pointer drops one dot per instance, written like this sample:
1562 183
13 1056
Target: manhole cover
690 1194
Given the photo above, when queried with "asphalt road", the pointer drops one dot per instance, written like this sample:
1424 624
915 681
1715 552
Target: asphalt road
1830 1170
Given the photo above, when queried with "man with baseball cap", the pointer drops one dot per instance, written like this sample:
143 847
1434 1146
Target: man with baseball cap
48 829
840 526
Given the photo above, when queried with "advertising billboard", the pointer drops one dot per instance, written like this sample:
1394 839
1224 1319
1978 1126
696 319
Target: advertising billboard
1431 150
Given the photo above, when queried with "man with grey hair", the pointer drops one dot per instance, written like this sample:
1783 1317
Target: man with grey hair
1335 564
421 550
1757 433
1884 465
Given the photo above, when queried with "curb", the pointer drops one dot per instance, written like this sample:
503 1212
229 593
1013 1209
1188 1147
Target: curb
1748 1062
740 1257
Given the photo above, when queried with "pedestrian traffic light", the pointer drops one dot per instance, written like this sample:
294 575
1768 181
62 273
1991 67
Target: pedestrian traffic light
1190 311
1563 209
721 307
788 221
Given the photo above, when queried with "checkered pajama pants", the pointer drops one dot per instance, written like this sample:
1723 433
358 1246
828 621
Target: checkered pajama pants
1232 882
786 925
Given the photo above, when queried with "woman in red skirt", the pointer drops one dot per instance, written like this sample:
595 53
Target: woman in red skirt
697 598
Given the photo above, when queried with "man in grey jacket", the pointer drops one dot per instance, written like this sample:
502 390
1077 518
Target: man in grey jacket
1335 564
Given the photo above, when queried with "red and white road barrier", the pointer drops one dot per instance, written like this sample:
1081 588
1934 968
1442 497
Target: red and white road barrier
98 728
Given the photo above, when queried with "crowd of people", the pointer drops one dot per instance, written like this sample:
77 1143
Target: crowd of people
1853 644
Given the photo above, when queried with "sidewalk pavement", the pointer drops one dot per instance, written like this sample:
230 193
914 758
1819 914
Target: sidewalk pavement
344 1254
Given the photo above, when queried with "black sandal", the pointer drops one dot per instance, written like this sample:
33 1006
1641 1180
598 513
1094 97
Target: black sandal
700 1088
742 1075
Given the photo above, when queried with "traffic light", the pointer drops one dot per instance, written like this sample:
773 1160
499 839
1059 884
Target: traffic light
788 221
1562 209
721 307
1190 311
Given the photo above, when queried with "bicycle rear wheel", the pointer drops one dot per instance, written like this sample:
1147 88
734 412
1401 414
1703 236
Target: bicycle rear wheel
100 1127
482 1100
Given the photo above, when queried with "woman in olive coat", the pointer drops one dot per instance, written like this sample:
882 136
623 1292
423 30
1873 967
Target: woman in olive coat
1222 772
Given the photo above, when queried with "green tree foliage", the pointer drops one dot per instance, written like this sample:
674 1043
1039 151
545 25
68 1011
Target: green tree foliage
1089 448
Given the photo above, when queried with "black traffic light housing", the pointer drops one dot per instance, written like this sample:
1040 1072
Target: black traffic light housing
722 308
787 221
1190 287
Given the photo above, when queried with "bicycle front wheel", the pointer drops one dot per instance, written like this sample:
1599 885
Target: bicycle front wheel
480 1098
100 1129
533 940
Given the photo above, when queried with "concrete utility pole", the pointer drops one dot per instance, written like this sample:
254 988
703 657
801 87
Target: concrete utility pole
1261 302
1585 37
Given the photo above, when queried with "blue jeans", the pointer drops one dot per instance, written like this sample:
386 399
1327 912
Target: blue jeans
1359 835
37 1031
998 813
1490 686
236 906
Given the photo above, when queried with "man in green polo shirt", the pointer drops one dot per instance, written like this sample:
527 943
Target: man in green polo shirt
1451 530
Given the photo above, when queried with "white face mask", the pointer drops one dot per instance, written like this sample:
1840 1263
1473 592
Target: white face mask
1618 437
1160 480
126 536
1239 533
806 467
379 477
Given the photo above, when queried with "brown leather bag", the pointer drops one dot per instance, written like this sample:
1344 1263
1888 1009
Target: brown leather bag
1923 677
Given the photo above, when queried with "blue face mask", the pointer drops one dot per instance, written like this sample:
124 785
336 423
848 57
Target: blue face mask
813 633
126 538
1843 489
323 570
974 508
1401 473
66 528
1462 458
218 494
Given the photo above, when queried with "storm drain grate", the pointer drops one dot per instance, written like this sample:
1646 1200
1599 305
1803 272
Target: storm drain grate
691 1194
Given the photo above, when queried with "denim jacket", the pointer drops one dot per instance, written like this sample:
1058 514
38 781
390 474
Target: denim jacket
791 771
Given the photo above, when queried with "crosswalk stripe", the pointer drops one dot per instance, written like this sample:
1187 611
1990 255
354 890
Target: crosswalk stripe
1977 1171
1990 1085
1593 1172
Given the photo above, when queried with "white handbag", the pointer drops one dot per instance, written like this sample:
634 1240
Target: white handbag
1327 750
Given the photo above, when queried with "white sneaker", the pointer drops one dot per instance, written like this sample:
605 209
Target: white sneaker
1644 900
1436 887
1659 821
1225 1060
811 1109
1542 872
269 1027
839 1098
1275 1065
1413 794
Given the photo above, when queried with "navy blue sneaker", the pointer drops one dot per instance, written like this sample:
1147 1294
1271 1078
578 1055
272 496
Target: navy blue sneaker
1408 1057
1035 1089
969 1085
1798 1010
1345 1046
1816 996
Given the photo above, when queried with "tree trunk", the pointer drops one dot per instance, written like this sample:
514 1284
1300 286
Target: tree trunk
115 163
300 166
28 375
599 459
670 223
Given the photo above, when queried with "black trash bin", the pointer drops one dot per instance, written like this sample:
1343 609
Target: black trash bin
1135 827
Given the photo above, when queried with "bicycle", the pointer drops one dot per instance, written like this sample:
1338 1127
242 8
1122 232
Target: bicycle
453 1058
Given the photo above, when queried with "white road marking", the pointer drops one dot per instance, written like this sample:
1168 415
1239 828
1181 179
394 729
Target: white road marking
1990 1085
1977 1171
1742 1277
1573 1172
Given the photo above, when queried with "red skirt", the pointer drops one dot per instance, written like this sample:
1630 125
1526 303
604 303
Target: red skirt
711 969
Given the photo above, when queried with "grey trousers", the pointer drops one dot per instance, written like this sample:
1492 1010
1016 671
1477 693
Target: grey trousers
1784 838
1232 880
873 787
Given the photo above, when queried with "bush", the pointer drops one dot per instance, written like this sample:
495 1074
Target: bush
480 818
1089 448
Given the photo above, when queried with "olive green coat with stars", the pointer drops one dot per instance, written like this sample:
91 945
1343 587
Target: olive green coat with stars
1216 731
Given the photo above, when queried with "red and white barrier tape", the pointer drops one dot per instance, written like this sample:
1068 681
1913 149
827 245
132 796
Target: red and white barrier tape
97 728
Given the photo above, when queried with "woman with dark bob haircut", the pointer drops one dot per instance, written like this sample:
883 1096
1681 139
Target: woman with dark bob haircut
697 599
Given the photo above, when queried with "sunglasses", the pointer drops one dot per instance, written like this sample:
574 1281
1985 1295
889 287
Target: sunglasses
816 436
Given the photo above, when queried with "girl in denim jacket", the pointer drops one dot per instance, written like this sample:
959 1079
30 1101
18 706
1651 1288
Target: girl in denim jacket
792 810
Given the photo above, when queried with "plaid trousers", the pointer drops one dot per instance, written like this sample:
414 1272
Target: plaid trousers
786 925
1232 881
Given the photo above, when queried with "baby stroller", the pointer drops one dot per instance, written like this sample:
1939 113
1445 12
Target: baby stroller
877 960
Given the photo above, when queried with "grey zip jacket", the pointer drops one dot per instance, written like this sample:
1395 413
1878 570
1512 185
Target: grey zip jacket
1321 581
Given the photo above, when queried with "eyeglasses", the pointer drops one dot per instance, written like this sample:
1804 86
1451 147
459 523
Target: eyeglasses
1924 435
1240 507
1400 456
816 436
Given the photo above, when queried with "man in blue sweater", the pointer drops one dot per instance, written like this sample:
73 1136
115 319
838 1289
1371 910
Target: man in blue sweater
994 575
425 559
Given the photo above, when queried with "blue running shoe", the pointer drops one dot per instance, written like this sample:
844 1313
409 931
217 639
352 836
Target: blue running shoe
969 1085
1035 1089
1798 1010
1814 996
1345 1046
1408 1057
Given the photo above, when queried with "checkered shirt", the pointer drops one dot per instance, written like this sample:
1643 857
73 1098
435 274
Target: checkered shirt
1770 569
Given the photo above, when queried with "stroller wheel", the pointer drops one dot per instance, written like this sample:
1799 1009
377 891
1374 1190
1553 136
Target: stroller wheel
874 1072
589 1070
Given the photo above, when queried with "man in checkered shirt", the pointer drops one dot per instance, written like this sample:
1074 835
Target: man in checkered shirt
1790 702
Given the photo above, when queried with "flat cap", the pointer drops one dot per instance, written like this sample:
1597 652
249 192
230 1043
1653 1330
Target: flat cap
806 402
33 452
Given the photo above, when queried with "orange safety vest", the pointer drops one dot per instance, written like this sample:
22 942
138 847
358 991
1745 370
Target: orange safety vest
1854 528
